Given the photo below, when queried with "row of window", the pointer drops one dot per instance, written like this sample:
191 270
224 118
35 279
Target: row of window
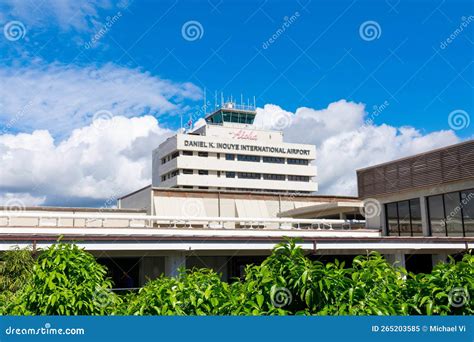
240 157
243 175
404 218
450 214
169 157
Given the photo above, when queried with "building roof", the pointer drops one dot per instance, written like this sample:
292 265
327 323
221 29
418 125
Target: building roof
245 194
320 209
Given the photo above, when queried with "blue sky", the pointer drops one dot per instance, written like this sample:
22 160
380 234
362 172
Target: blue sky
294 55
319 59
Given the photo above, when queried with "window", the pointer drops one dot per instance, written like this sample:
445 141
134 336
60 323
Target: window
229 156
404 218
275 160
274 177
174 173
230 174
467 202
242 157
163 178
203 172
163 161
297 161
391 210
187 153
187 172
436 213
175 155
203 154
248 175
298 178
453 214
415 213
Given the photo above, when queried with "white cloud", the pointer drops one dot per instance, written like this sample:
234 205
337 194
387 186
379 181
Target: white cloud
109 158
78 15
96 162
60 98
345 141
18 201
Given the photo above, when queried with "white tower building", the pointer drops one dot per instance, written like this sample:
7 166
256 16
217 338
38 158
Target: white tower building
230 153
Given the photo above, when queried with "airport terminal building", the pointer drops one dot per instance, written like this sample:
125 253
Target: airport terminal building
224 194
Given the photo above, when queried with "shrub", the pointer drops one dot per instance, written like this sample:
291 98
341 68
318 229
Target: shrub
195 292
66 280
15 271
446 290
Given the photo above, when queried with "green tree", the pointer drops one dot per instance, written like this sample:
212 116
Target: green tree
66 280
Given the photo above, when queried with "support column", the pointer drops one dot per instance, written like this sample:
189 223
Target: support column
439 258
397 259
425 225
173 263
150 268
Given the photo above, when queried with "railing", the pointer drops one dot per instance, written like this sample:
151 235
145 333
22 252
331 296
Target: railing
101 220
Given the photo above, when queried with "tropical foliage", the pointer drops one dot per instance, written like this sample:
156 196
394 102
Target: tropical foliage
66 280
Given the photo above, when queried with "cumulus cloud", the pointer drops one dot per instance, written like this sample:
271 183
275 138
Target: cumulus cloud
111 157
60 98
346 140
95 163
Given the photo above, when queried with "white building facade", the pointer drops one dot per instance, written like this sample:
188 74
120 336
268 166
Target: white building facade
230 153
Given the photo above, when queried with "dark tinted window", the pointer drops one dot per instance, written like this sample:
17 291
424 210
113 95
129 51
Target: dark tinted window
392 218
453 214
415 212
467 202
436 211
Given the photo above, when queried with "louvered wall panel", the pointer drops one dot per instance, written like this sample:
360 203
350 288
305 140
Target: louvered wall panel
450 164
